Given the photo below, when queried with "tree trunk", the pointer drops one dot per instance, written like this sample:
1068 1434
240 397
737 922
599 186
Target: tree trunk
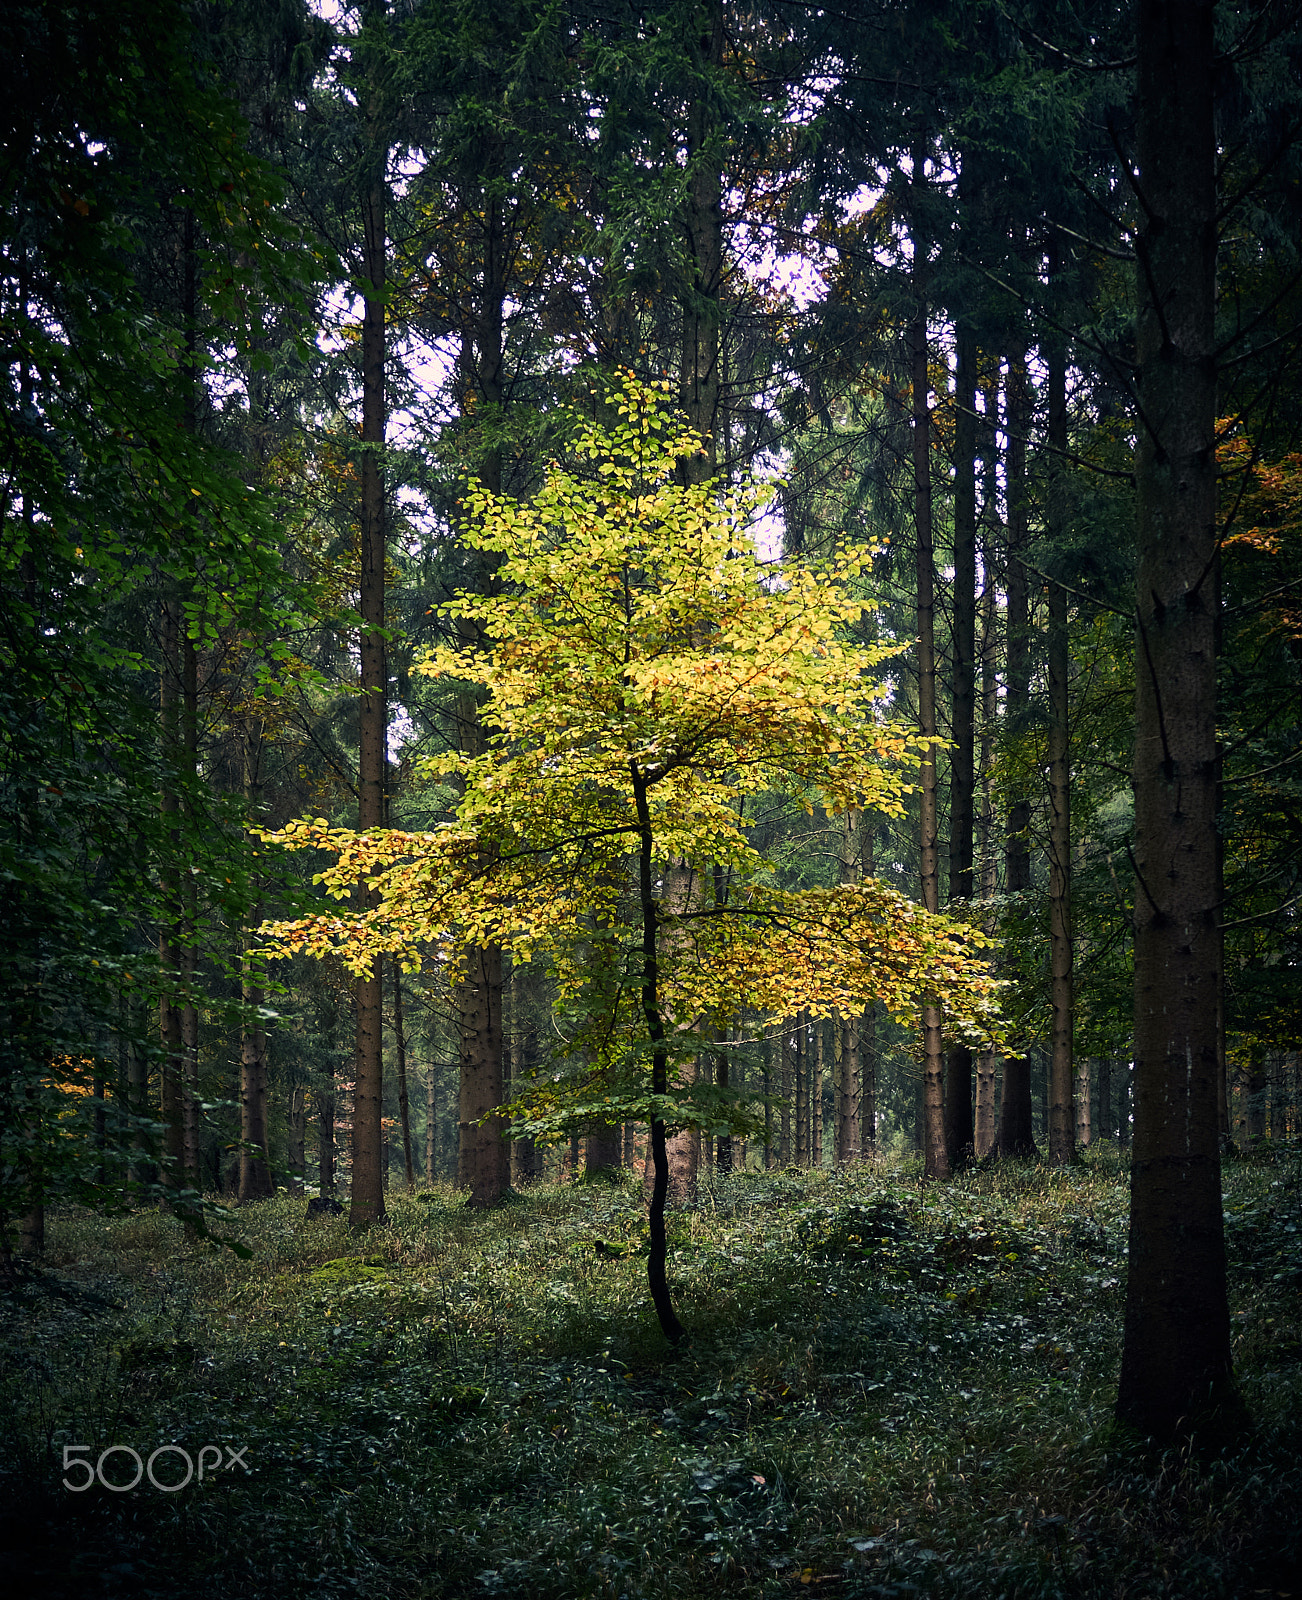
769 1152
255 1172
296 1153
819 1036
960 1135
483 1155
367 1188
400 1051
723 1156
984 1130
1175 1366
326 1141
802 1091
1084 1120
170 936
650 995
784 1115
867 1047
703 224
1062 1116
1016 1136
935 1151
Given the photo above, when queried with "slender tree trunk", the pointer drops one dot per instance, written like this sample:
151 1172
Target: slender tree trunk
984 1130
1016 1136
1175 1365
784 1116
960 1135
769 1152
1062 1115
1084 1121
1106 1119
703 224
367 1187
296 1158
326 1141
189 947
816 1092
867 1040
400 1051
935 1151
483 1155
527 1158
650 995
431 1125
169 940
802 1092
255 1172
723 1156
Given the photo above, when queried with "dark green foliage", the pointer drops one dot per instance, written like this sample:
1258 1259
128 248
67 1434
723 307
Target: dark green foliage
905 1397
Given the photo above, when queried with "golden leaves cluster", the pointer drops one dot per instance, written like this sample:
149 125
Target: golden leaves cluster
638 641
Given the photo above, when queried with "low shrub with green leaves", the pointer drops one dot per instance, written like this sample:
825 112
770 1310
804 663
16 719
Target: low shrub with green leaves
888 1390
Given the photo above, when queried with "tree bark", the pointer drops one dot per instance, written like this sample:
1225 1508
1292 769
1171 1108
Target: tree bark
819 1036
326 1142
295 1154
483 1155
1016 1136
255 1172
1062 1116
801 1054
400 1051
1084 1120
984 1129
703 224
367 1190
935 1151
1175 1368
960 1137
650 995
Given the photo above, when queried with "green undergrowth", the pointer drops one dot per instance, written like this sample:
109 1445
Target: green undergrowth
887 1391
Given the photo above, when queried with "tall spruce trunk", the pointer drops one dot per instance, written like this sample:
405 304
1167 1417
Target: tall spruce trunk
1016 1136
934 1149
984 1131
483 1153
960 1136
703 225
1062 1114
1175 1367
367 1191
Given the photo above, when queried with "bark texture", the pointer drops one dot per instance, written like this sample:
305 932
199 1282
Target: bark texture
1016 1135
935 1151
1175 1368
367 1191
1062 1116
960 1135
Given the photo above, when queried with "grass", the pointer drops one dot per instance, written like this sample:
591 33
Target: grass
887 1391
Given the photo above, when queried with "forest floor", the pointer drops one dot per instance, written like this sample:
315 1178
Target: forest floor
887 1391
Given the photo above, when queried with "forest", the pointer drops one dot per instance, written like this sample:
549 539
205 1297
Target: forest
651 798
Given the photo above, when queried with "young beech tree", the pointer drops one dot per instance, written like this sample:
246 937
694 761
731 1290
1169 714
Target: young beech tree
648 677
